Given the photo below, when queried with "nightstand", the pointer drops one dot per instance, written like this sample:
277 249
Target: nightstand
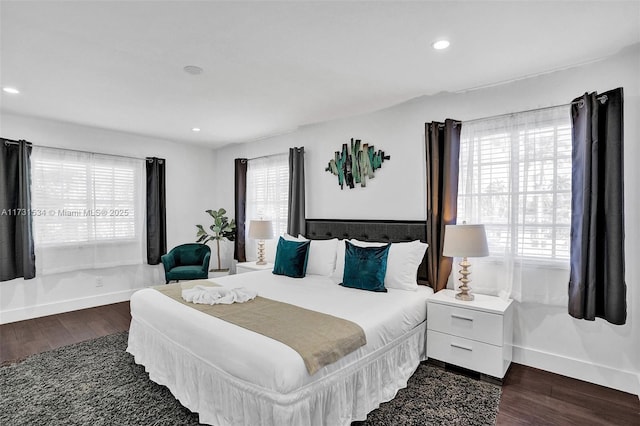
476 335
244 267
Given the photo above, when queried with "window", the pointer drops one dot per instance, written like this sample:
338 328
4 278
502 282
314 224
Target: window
267 193
88 209
515 178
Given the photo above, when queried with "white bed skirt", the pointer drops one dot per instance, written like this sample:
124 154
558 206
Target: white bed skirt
220 399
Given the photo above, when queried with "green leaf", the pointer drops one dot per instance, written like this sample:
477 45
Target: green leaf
221 227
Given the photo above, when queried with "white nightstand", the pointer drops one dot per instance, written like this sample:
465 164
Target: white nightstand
243 267
476 335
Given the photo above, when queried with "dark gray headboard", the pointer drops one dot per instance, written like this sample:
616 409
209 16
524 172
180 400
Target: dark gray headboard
393 231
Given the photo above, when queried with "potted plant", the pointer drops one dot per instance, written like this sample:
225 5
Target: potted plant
221 229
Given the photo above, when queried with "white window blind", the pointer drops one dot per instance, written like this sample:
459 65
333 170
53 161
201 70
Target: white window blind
88 209
515 178
267 194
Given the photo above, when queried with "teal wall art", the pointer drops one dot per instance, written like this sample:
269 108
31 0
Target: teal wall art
357 166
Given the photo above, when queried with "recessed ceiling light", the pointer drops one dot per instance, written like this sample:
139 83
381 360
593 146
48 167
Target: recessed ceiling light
441 44
193 70
11 90
195 129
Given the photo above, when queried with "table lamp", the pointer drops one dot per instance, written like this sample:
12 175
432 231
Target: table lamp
465 241
261 230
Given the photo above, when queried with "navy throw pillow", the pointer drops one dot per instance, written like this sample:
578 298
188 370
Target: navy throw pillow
365 267
291 258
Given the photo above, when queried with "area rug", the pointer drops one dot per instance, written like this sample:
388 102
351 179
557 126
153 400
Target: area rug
97 383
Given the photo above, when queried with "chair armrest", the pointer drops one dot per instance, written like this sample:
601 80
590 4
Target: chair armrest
205 262
168 261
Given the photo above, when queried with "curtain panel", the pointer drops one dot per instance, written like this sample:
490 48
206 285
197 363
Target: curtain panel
156 210
597 284
239 245
94 206
515 178
267 198
296 210
17 255
442 155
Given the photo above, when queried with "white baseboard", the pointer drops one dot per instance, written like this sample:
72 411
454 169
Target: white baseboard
626 381
69 305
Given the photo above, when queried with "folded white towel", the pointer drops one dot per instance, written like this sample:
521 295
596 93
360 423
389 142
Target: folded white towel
217 295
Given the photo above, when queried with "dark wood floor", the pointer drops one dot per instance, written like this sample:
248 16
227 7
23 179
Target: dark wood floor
529 396
24 338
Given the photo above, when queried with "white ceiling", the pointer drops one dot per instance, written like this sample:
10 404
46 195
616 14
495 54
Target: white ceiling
270 67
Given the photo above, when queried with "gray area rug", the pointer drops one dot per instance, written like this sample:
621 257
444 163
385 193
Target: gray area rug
97 383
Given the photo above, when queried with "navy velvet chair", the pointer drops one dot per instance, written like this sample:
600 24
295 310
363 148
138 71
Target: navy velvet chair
187 262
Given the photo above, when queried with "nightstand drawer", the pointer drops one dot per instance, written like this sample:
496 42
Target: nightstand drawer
468 323
470 354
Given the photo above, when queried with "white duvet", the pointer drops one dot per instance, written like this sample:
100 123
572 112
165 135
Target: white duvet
253 361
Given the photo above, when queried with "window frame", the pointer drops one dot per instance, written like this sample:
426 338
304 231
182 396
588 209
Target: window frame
90 200
280 165
519 134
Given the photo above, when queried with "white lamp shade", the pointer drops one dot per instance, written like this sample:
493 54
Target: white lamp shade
465 241
260 229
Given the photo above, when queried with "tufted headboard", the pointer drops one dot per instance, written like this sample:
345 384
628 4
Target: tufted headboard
393 231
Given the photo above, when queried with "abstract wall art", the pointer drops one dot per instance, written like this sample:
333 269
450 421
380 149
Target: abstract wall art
355 166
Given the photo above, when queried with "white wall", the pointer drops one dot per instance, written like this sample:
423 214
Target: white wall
190 191
545 336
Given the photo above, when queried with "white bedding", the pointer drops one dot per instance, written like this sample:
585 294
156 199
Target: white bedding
230 375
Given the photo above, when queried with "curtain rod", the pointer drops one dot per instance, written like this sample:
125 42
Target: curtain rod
266 156
14 142
91 152
579 102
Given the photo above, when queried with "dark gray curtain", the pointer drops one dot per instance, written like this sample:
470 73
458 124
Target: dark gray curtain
596 284
156 210
443 153
296 212
17 257
239 251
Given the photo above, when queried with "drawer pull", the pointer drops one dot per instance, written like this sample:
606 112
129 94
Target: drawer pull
461 317
466 348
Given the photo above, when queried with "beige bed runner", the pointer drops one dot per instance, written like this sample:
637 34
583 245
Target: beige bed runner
319 338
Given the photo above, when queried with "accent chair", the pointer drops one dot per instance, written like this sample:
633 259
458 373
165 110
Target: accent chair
187 262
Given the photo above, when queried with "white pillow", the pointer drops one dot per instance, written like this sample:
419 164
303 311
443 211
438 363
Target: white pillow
322 255
338 271
402 263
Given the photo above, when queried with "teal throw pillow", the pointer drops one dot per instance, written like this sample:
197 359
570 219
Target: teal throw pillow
291 258
365 267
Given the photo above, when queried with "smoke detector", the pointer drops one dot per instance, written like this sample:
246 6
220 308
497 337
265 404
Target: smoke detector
193 70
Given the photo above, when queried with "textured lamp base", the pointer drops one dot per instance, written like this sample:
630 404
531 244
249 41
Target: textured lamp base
464 288
261 259
464 295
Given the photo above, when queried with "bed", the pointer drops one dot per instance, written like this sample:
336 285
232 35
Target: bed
233 376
